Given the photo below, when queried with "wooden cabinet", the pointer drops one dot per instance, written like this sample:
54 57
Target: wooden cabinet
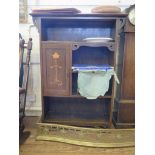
62 46
56 69
125 99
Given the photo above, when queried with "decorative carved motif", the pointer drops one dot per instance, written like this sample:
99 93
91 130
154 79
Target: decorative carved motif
75 47
56 67
121 23
109 45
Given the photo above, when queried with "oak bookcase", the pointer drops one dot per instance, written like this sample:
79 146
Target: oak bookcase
61 46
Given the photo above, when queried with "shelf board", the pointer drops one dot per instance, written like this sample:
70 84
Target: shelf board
76 71
84 15
76 44
79 96
83 43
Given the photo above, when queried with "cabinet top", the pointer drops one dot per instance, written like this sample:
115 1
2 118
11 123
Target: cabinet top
90 15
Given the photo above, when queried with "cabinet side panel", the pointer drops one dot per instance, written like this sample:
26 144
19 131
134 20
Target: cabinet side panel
128 83
126 113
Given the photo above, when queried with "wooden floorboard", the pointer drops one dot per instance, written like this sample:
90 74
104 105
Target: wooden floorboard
29 146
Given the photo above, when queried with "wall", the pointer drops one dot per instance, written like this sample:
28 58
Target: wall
33 105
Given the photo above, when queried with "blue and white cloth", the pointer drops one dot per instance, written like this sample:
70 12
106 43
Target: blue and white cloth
93 81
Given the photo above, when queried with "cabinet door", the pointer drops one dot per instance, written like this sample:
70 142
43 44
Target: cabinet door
56 69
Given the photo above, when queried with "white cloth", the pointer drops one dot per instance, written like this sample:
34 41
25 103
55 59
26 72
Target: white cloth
92 84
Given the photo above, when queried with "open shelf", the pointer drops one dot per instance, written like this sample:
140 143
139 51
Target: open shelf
79 110
76 30
92 56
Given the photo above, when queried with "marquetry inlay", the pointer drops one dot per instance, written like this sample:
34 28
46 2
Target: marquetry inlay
56 68
55 55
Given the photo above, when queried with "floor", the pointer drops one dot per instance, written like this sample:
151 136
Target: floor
29 146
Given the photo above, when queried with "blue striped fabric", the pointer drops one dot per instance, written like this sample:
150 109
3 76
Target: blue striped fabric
86 67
